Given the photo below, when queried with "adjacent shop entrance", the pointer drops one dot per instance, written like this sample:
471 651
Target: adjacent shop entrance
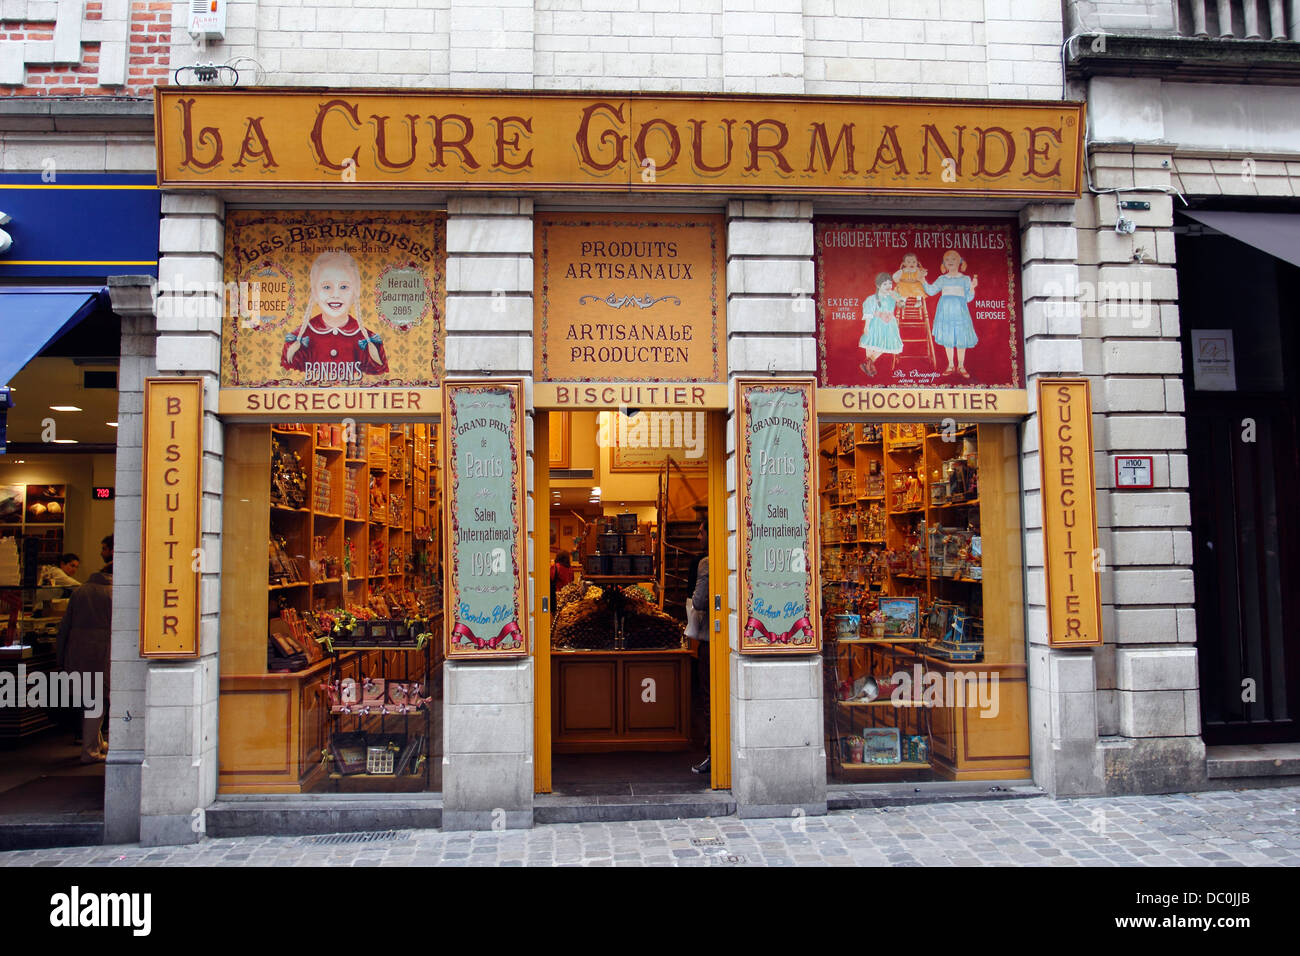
57 480
1243 397
626 702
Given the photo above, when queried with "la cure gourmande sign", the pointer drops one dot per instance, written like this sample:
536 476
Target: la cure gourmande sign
561 141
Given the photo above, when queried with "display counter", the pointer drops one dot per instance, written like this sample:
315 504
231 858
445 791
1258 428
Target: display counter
611 700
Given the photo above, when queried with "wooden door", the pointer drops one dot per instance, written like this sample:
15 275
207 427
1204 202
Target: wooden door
1243 470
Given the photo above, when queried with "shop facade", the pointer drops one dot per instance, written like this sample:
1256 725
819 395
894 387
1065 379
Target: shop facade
1203 184
780 701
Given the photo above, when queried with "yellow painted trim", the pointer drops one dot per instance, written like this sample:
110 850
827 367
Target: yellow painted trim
599 396
541 586
78 262
719 639
73 186
907 404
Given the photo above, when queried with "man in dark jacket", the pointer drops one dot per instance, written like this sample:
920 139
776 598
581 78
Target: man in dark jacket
85 635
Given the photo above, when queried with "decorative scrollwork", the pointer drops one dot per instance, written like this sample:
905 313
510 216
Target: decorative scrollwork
615 301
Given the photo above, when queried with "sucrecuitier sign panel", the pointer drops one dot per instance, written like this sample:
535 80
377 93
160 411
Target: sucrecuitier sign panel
561 141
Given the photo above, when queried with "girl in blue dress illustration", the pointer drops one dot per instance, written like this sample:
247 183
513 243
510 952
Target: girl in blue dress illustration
953 328
880 331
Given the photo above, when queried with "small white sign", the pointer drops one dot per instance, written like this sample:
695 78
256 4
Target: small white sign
1214 368
1134 471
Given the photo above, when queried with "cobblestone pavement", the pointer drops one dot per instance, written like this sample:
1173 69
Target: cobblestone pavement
1226 828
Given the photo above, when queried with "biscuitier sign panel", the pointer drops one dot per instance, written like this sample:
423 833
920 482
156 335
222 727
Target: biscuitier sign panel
332 300
919 305
624 299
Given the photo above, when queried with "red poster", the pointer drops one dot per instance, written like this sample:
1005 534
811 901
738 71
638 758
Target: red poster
918 304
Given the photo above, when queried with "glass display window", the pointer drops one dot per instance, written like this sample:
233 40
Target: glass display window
922 602
330 662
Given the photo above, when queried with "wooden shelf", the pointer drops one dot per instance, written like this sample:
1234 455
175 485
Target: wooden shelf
882 640
886 702
287 510
285 587
901 765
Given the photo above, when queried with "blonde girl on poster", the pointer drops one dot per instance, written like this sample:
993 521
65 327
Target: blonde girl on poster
909 279
333 346
880 330
953 328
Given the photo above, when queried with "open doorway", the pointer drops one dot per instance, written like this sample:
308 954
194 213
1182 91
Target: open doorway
628 687
57 479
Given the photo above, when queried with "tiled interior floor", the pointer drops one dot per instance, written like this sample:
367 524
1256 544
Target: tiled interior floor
46 781
631 774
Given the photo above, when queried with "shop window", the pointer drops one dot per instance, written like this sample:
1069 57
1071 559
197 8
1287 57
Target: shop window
921 594
331 627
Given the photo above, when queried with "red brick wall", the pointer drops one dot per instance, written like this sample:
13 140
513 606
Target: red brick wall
148 55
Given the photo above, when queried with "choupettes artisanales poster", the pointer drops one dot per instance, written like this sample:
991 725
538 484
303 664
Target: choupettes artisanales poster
918 304
333 299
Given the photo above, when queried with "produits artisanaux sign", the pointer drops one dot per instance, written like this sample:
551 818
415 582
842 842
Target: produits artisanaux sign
1070 555
623 299
173 483
778 547
344 301
561 141
486 518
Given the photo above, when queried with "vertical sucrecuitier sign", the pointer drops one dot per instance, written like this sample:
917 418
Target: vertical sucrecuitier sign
776 438
173 486
485 519
1069 505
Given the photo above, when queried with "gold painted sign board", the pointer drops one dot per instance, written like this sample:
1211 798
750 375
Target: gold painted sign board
173 488
968 404
348 304
1069 506
625 299
368 139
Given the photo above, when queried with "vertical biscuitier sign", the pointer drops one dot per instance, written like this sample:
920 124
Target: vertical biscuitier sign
173 486
1071 559
340 300
778 589
485 516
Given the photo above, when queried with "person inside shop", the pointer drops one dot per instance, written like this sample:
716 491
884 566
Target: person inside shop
106 553
84 638
561 575
700 606
61 575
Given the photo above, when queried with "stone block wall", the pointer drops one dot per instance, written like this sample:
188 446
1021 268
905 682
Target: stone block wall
488 771
778 750
75 48
1148 698
972 48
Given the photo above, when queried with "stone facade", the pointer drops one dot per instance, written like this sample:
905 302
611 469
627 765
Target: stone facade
968 48
1119 718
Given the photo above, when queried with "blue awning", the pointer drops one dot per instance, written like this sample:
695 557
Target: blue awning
33 318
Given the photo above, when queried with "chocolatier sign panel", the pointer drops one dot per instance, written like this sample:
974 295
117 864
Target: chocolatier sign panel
776 441
485 518
918 304
366 139
347 302
629 300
